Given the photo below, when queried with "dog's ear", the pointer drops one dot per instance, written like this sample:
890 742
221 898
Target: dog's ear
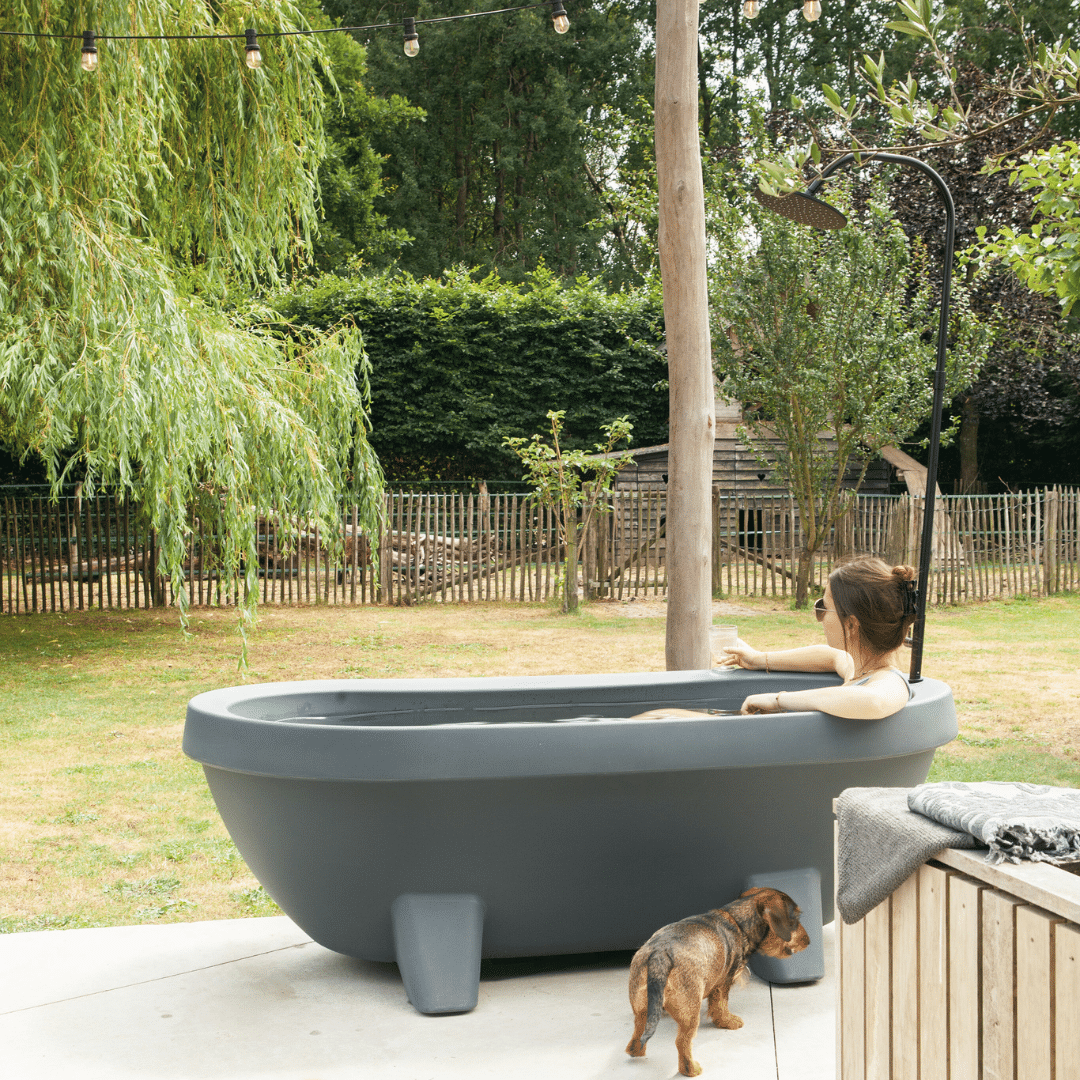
753 892
781 913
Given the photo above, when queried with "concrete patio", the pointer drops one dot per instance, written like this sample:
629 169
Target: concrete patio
256 998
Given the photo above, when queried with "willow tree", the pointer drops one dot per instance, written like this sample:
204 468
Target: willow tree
139 207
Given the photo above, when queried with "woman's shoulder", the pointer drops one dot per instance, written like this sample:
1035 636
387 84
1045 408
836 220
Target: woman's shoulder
878 675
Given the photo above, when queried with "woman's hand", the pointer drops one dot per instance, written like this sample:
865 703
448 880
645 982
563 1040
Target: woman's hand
742 655
761 703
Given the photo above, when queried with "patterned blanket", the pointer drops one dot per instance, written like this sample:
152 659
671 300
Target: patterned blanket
1017 822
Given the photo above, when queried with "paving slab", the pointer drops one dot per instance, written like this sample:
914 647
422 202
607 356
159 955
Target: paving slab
250 999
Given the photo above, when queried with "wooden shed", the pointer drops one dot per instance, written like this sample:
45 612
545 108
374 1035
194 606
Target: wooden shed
736 470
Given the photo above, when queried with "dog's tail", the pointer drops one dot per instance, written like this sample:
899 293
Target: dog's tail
659 968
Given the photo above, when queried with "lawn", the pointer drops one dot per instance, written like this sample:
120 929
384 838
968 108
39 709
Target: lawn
103 821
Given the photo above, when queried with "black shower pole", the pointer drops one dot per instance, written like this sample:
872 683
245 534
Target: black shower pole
805 208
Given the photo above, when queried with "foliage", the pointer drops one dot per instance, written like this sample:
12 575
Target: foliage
1047 258
833 332
498 176
968 86
557 478
459 364
133 203
351 172
1033 349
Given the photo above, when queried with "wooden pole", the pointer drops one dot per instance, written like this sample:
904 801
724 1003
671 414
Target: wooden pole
681 242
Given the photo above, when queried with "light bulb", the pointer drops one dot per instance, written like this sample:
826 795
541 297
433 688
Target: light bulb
558 17
811 10
89 51
751 9
412 39
252 56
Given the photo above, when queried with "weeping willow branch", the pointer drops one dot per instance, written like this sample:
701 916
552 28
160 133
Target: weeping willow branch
138 211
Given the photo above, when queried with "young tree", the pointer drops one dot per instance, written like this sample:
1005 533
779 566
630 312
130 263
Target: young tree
138 204
558 478
833 333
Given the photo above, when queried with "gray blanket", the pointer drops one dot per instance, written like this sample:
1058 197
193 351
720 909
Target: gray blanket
1017 822
880 843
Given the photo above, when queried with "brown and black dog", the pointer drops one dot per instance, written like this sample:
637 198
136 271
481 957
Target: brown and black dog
700 957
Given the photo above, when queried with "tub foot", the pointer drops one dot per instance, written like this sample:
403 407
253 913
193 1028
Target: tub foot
804 887
437 938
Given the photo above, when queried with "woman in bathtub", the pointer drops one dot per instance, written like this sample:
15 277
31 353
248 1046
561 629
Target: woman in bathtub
866 612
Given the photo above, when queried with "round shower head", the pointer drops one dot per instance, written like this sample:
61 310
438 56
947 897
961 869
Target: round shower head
804 209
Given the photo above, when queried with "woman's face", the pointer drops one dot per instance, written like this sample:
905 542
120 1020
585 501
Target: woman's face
834 630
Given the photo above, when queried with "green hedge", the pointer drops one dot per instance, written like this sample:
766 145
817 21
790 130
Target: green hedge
458 364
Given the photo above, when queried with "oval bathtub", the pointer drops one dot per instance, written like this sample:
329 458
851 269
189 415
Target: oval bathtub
567 827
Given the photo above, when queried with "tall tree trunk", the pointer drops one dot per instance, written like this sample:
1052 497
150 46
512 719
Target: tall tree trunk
519 199
499 216
802 579
462 204
969 445
681 244
570 596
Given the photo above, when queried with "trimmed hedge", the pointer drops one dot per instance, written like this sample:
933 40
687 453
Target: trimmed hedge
458 364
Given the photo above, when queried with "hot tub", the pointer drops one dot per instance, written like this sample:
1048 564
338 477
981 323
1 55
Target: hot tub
528 816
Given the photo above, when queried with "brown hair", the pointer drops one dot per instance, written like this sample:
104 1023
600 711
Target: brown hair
880 596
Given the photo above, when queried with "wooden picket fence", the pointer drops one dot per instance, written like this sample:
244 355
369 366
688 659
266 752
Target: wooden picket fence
77 554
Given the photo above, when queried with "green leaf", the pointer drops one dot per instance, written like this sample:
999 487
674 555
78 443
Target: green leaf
907 28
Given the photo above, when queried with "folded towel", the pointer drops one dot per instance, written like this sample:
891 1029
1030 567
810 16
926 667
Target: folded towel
1016 821
880 843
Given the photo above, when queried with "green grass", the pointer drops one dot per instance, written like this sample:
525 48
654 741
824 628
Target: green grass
104 821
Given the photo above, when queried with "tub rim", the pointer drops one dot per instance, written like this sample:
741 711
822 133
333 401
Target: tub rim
216 736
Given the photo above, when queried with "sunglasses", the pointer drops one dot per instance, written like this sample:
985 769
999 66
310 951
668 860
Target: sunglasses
820 609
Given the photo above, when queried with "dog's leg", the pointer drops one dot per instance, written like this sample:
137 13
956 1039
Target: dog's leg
719 1012
683 1003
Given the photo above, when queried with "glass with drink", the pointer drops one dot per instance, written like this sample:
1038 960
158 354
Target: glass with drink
722 637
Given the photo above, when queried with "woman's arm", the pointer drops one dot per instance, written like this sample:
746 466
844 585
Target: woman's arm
809 658
881 697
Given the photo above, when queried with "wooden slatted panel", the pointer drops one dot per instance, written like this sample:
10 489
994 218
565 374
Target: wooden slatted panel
905 979
852 996
964 956
933 1025
1067 1002
878 988
998 988
1034 993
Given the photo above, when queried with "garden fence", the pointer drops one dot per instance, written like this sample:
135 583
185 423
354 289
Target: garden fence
80 553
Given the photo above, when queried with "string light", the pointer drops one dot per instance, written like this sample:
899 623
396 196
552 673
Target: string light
412 38
89 51
253 55
811 9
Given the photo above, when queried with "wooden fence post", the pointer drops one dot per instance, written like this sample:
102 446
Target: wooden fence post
1050 542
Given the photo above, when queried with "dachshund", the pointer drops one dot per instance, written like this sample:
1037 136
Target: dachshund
700 957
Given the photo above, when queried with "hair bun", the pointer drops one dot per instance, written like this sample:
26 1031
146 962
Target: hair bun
904 573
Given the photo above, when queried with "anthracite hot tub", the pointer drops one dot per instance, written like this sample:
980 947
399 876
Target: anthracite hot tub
527 816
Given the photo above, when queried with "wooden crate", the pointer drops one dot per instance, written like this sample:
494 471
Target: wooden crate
967 972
